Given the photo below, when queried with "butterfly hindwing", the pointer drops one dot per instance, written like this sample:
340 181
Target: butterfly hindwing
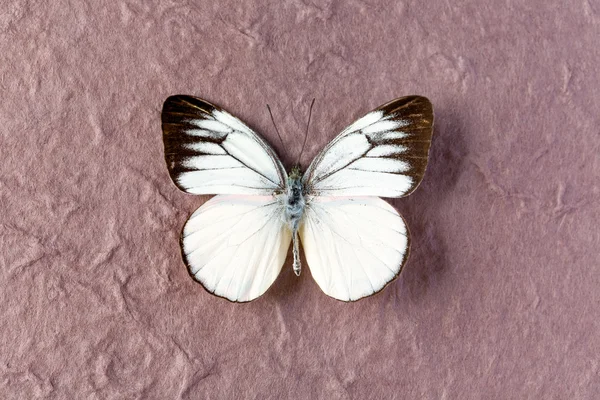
384 153
236 245
209 151
354 246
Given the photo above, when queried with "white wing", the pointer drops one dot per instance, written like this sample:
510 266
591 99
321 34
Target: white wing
383 153
235 245
209 151
354 246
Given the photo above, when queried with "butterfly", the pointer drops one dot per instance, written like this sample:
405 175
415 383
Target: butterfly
355 243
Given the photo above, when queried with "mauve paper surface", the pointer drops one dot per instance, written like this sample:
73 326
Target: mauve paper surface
500 296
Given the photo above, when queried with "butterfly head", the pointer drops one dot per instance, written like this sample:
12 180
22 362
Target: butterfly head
295 174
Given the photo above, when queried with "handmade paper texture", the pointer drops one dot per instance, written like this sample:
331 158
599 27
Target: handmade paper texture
499 298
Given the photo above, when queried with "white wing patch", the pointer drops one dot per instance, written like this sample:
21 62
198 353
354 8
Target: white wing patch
381 126
216 127
206 148
364 121
209 151
377 164
386 150
236 245
353 246
343 152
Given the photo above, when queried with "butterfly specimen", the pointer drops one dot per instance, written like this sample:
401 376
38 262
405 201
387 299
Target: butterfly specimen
354 242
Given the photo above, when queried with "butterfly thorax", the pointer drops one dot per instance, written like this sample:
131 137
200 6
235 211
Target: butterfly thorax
294 210
294 204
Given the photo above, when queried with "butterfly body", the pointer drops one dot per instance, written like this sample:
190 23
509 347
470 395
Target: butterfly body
354 242
294 210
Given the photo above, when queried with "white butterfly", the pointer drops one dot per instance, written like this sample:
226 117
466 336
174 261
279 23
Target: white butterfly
355 243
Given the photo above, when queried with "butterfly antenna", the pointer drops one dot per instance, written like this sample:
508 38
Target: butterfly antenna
276 130
306 134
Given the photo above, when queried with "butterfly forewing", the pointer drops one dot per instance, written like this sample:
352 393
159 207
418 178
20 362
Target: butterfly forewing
209 151
384 153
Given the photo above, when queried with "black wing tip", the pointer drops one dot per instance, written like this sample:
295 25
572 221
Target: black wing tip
177 99
424 103
179 105
409 98
414 97
179 102
182 97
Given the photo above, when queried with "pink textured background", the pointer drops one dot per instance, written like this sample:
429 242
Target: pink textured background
499 299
